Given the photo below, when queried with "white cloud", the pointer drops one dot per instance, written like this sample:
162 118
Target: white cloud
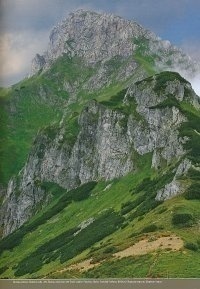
192 47
193 79
17 51
196 84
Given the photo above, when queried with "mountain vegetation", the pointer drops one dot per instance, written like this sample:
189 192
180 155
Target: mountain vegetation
99 157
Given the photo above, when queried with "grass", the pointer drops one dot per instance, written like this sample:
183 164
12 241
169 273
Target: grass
116 100
76 195
160 265
35 103
164 77
39 102
169 102
46 254
24 113
70 243
142 55
190 129
193 192
122 214
125 268
117 193
182 219
146 62
85 208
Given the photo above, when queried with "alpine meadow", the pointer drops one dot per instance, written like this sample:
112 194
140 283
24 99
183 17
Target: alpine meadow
100 157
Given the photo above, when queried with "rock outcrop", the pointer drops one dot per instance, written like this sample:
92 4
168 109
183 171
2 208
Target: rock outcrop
101 143
97 38
92 36
91 53
175 187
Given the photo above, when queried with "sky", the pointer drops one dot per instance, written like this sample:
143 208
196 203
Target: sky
25 26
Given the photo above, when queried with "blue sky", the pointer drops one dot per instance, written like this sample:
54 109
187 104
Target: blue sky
25 26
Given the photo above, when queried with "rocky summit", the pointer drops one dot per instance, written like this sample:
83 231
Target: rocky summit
100 37
101 141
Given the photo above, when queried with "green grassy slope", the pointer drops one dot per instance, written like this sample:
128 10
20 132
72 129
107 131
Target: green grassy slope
24 112
41 100
113 224
97 219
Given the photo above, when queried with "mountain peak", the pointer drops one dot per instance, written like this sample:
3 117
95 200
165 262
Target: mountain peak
98 37
108 134
93 36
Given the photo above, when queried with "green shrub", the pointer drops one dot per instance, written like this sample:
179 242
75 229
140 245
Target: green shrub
76 195
68 244
146 206
124 225
12 240
71 130
129 206
114 63
116 100
161 210
193 192
198 242
81 193
143 185
191 246
152 186
169 102
41 151
182 219
51 131
30 266
190 129
100 228
150 228
52 188
163 78
44 254
146 202
193 174
140 218
3 269
111 249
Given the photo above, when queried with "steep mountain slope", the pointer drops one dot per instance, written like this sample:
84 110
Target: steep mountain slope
104 143
100 37
93 143
69 79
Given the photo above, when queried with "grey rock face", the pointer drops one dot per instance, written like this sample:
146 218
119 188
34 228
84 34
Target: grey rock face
92 36
99 37
101 150
21 206
38 62
157 130
104 147
175 187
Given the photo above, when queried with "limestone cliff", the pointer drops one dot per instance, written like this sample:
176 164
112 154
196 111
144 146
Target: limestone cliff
99 37
103 142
